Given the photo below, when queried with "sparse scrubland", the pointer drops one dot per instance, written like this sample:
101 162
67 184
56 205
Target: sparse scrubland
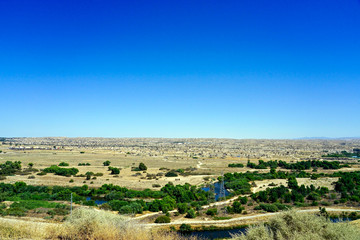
292 225
157 182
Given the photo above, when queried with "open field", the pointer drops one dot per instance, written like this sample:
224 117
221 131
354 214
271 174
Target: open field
199 162
207 157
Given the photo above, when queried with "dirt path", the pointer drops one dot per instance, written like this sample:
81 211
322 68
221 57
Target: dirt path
246 217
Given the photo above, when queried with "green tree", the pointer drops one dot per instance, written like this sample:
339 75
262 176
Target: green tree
182 207
106 163
211 212
162 219
115 170
142 167
191 213
185 228
292 183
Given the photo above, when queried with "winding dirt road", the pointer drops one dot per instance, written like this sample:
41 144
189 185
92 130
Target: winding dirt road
247 217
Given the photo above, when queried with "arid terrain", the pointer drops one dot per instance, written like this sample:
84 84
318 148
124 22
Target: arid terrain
205 157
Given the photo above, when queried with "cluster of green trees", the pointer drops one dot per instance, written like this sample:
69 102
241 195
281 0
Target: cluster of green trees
61 171
349 186
20 208
240 182
10 168
235 208
184 197
84 164
302 165
236 165
297 193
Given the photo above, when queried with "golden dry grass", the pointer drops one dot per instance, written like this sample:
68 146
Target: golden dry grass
85 224
292 225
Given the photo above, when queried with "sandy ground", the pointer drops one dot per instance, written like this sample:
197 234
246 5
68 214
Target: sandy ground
320 182
96 157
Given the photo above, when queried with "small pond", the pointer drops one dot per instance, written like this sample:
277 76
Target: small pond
97 201
216 190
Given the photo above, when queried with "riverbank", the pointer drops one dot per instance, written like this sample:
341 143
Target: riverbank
243 220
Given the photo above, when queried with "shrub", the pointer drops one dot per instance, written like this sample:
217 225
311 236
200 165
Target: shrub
243 200
171 174
185 228
61 171
106 163
182 207
114 170
296 225
191 213
211 211
142 167
63 164
162 219
236 165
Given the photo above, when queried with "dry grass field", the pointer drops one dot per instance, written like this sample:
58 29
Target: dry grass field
210 158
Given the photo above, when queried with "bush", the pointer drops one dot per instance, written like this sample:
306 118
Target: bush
296 225
162 219
243 200
211 211
171 174
142 167
236 165
61 171
63 164
114 170
85 224
106 163
185 228
191 213
182 207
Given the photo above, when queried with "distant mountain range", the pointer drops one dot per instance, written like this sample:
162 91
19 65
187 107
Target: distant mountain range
327 138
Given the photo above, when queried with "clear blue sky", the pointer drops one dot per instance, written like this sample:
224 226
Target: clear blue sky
230 69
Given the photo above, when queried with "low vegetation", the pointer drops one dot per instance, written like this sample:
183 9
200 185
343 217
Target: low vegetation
302 165
61 171
85 224
292 225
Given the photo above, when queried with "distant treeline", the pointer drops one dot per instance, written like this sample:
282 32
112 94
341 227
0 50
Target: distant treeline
302 165
343 154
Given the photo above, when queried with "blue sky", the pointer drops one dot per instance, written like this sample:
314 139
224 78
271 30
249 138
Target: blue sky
228 69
